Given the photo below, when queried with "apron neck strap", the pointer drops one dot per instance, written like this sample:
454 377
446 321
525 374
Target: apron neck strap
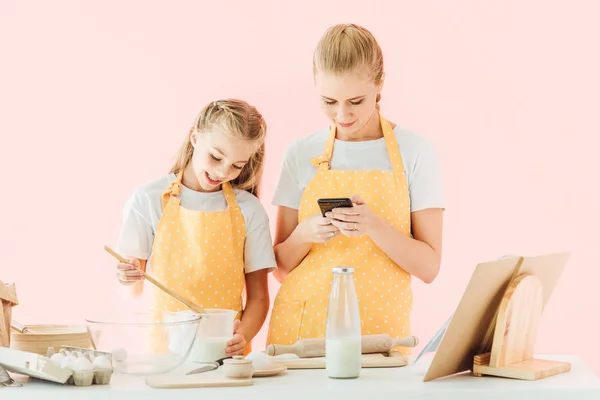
173 191
392 148
230 196
324 161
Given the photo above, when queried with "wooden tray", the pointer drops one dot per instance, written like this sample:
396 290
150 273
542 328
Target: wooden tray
389 360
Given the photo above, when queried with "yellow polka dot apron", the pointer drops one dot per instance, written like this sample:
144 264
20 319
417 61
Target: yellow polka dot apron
199 255
383 287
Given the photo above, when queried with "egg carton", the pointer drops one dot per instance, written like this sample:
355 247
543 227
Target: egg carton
84 377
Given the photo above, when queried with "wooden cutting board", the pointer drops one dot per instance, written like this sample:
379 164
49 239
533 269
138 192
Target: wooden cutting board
202 380
389 360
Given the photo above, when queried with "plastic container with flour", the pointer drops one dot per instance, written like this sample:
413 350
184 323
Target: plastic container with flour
343 336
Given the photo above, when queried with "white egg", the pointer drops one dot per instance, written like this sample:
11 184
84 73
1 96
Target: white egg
82 364
57 359
261 360
67 362
102 362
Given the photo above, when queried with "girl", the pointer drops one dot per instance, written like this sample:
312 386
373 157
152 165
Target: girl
393 230
202 226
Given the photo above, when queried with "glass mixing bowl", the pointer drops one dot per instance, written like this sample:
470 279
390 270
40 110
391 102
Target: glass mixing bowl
145 343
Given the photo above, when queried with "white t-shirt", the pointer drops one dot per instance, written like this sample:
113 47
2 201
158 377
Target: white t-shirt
421 165
143 210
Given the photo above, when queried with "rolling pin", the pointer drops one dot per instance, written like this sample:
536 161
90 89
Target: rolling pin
307 348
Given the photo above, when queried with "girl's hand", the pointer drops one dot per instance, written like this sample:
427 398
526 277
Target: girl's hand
355 221
317 229
128 274
236 346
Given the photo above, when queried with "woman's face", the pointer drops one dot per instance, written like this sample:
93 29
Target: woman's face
348 100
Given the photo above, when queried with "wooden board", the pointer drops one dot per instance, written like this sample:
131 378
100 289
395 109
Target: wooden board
368 361
202 380
516 326
531 370
478 308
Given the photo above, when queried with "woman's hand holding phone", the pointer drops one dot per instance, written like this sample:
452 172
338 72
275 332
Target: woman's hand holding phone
317 229
356 220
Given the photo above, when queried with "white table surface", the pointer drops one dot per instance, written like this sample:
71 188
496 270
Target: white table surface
395 383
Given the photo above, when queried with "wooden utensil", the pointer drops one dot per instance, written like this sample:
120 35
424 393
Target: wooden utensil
183 300
389 360
307 348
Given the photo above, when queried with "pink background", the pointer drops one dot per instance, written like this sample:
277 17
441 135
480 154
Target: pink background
96 98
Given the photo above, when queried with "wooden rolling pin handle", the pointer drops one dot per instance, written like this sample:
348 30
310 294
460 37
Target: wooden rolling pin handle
376 344
408 341
383 343
277 349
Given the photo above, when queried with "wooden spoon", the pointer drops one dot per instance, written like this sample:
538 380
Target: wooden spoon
159 285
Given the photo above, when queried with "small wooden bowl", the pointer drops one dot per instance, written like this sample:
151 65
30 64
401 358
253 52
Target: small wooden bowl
46 336
238 368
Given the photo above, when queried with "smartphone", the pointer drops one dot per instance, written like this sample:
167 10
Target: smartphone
327 205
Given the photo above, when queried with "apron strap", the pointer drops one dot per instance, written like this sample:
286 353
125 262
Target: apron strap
237 217
393 149
230 196
171 194
324 160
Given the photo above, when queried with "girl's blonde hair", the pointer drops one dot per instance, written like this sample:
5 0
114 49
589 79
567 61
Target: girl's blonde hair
239 120
349 48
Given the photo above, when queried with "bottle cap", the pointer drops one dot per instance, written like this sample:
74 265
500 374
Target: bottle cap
343 270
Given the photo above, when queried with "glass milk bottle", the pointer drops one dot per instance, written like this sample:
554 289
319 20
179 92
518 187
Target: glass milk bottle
343 336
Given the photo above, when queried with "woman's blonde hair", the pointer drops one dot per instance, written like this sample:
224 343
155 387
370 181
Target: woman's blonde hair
349 48
239 120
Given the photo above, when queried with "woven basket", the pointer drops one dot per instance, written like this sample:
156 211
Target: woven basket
46 336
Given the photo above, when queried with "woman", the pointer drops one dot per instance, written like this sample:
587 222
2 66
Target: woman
394 229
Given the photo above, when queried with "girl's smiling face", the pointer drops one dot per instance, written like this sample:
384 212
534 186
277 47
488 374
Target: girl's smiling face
218 158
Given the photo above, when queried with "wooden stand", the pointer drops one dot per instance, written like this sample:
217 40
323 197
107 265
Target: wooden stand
494 327
8 299
515 333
